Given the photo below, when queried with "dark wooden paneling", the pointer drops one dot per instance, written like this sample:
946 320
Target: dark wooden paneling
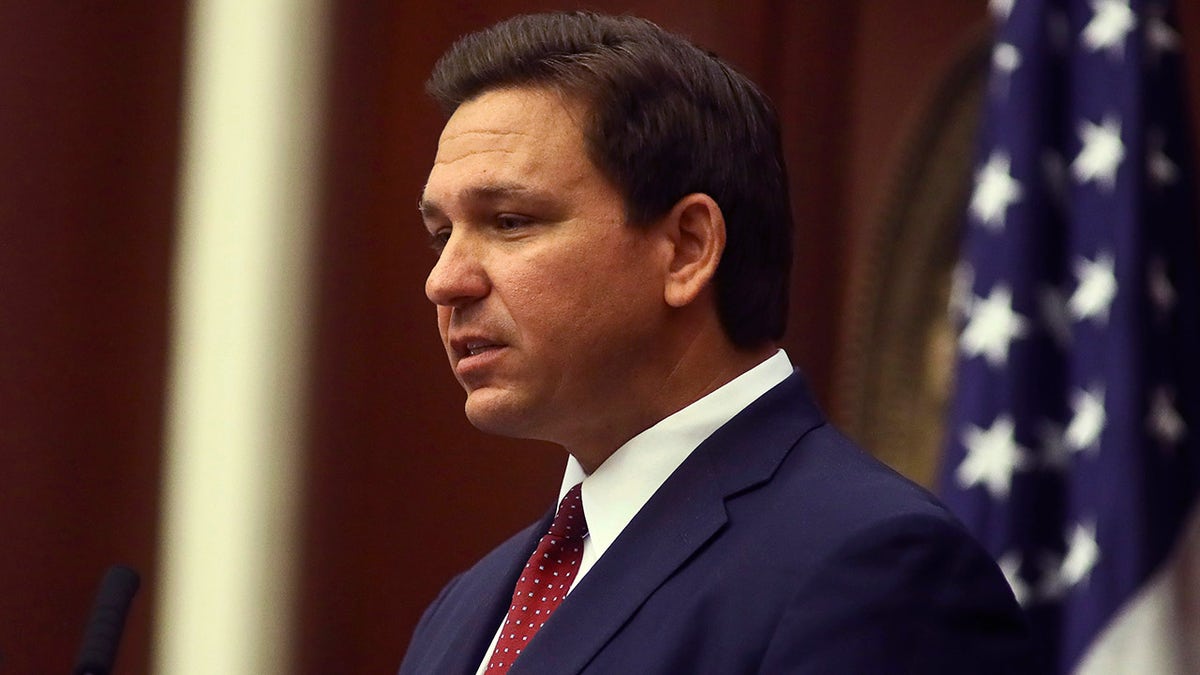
809 75
88 122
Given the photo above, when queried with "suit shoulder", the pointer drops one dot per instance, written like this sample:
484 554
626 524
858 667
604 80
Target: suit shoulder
830 474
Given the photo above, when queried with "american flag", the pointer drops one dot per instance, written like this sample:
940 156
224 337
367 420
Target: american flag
1074 433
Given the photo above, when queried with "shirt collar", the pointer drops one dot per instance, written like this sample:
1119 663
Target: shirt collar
617 490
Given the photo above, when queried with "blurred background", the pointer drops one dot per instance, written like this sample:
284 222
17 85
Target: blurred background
355 486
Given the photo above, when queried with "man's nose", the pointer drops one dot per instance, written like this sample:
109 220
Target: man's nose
458 277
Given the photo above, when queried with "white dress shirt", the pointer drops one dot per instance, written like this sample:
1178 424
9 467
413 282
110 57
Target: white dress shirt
621 486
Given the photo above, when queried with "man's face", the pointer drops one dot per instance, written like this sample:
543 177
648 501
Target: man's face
550 306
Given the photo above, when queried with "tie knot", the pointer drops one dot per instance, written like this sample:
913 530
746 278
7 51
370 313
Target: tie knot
569 522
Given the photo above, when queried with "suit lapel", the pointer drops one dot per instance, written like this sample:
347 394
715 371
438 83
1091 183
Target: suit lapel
687 511
483 601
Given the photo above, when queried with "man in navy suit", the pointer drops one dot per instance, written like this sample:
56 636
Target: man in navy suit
610 208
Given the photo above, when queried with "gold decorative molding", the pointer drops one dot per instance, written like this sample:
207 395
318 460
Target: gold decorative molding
894 373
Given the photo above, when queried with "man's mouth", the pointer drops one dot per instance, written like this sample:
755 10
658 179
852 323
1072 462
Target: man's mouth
474 349
468 347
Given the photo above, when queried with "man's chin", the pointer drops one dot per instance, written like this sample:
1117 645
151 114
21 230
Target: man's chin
496 413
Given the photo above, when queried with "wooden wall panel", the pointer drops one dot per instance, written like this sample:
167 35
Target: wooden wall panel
88 121
809 69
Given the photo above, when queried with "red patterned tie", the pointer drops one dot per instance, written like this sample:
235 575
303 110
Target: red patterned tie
544 581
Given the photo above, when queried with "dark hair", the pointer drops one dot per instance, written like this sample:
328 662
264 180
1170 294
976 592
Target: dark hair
666 119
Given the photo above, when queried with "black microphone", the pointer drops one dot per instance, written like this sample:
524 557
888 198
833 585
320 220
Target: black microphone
103 634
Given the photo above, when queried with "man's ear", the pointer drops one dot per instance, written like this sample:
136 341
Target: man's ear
696 229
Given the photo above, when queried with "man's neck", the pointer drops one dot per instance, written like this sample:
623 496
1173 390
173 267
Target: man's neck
694 375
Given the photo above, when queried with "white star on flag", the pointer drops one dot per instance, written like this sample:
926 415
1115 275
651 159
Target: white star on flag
1161 36
1161 290
1058 29
1052 439
1088 420
1053 305
1006 58
1165 423
992 326
1102 152
1097 287
1054 171
995 191
962 282
1082 554
1001 9
1112 20
1162 170
992 457
1010 565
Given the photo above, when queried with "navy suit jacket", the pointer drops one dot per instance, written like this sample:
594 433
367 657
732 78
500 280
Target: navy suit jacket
778 546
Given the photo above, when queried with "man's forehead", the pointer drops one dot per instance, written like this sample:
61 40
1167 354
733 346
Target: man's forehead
512 138
459 144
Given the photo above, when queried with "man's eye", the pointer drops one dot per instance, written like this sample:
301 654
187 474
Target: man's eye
509 222
438 240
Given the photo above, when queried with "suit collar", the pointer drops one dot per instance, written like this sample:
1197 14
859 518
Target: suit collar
621 486
687 511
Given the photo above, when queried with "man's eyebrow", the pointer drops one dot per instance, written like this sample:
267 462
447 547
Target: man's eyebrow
483 193
427 208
